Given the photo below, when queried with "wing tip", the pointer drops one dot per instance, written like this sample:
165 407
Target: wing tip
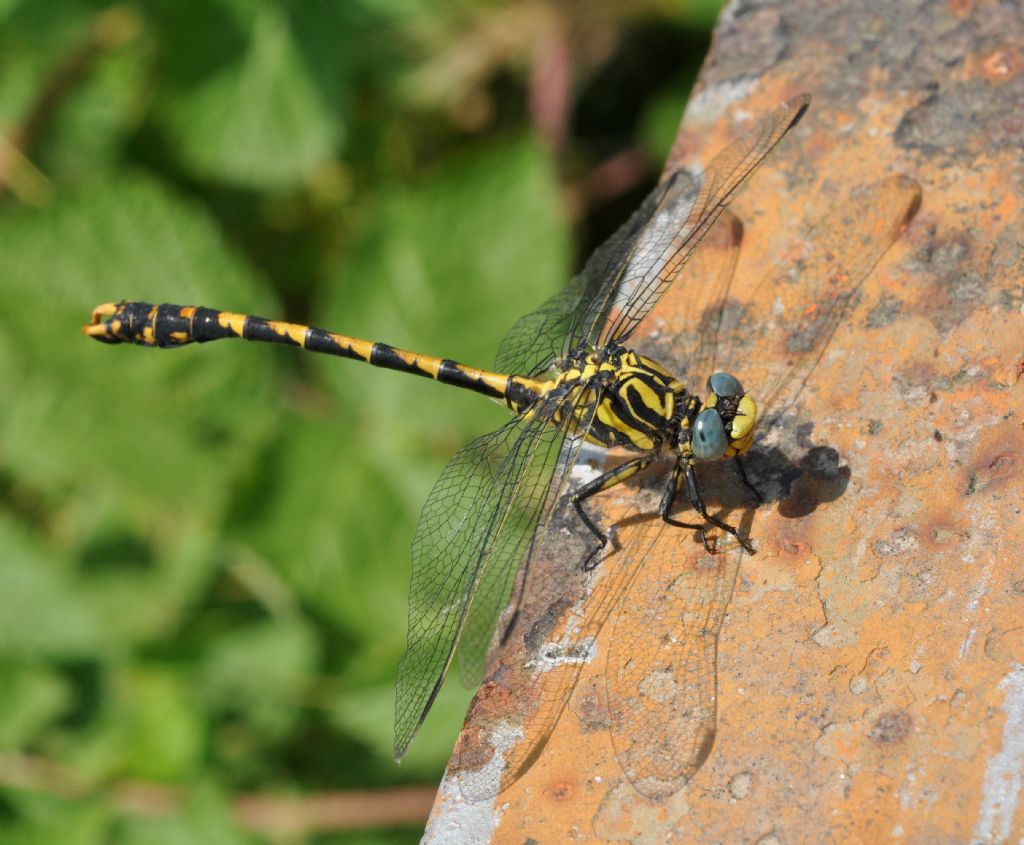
798 105
913 188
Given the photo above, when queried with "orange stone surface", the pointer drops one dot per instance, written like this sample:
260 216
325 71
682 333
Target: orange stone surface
870 665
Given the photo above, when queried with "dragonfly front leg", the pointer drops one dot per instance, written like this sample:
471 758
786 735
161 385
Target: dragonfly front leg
603 482
698 503
668 502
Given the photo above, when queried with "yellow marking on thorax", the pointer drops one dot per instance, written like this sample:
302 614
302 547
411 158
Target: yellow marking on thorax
662 404
641 439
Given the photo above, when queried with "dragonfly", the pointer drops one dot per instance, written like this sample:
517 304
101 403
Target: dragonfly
654 611
568 376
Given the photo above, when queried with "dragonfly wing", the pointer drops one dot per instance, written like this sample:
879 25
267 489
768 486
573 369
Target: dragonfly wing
536 339
694 309
632 269
510 743
526 517
549 333
473 531
662 659
685 214
821 279
661 671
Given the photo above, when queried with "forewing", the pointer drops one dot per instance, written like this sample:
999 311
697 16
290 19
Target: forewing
632 269
481 513
688 349
547 334
683 218
661 673
821 280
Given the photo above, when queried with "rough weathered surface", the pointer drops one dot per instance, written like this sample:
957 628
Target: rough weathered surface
871 662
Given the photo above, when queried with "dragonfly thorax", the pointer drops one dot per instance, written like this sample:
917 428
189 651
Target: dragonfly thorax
639 403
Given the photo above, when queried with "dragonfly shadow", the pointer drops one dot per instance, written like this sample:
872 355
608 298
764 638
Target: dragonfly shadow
797 486
818 477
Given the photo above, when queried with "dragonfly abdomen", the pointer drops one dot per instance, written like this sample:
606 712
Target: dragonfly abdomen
168 326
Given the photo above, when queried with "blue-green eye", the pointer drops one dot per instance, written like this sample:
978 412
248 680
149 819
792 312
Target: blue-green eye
709 439
725 384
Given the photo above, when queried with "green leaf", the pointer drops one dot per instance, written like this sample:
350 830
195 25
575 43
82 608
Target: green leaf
95 415
661 117
90 132
30 698
34 37
368 714
42 612
151 728
252 97
46 819
259 672
319 512
479 242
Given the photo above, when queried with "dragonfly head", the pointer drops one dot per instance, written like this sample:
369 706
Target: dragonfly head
724 427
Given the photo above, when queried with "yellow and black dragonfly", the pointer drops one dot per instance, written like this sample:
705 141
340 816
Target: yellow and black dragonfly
643 630
566 373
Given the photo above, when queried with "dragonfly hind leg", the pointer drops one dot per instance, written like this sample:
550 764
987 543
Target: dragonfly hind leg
609 479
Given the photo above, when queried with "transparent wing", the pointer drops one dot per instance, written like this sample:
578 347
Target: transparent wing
662 660
695 309
473 531
634 266
492 756
495 585
685 213
538 338
547 334
661 672
799 307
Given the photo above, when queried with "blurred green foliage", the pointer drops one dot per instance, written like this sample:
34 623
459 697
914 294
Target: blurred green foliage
205 553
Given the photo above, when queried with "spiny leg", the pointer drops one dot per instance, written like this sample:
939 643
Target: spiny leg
698 503
603 482
746 480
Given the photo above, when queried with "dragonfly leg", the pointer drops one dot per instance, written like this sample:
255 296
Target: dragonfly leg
698 503
743 475
603 482
669 499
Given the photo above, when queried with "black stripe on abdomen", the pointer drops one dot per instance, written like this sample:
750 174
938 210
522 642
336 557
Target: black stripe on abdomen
206 325
383 355
451 373
318 340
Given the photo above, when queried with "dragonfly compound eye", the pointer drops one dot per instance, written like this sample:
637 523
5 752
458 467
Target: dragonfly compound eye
725 384
709 439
